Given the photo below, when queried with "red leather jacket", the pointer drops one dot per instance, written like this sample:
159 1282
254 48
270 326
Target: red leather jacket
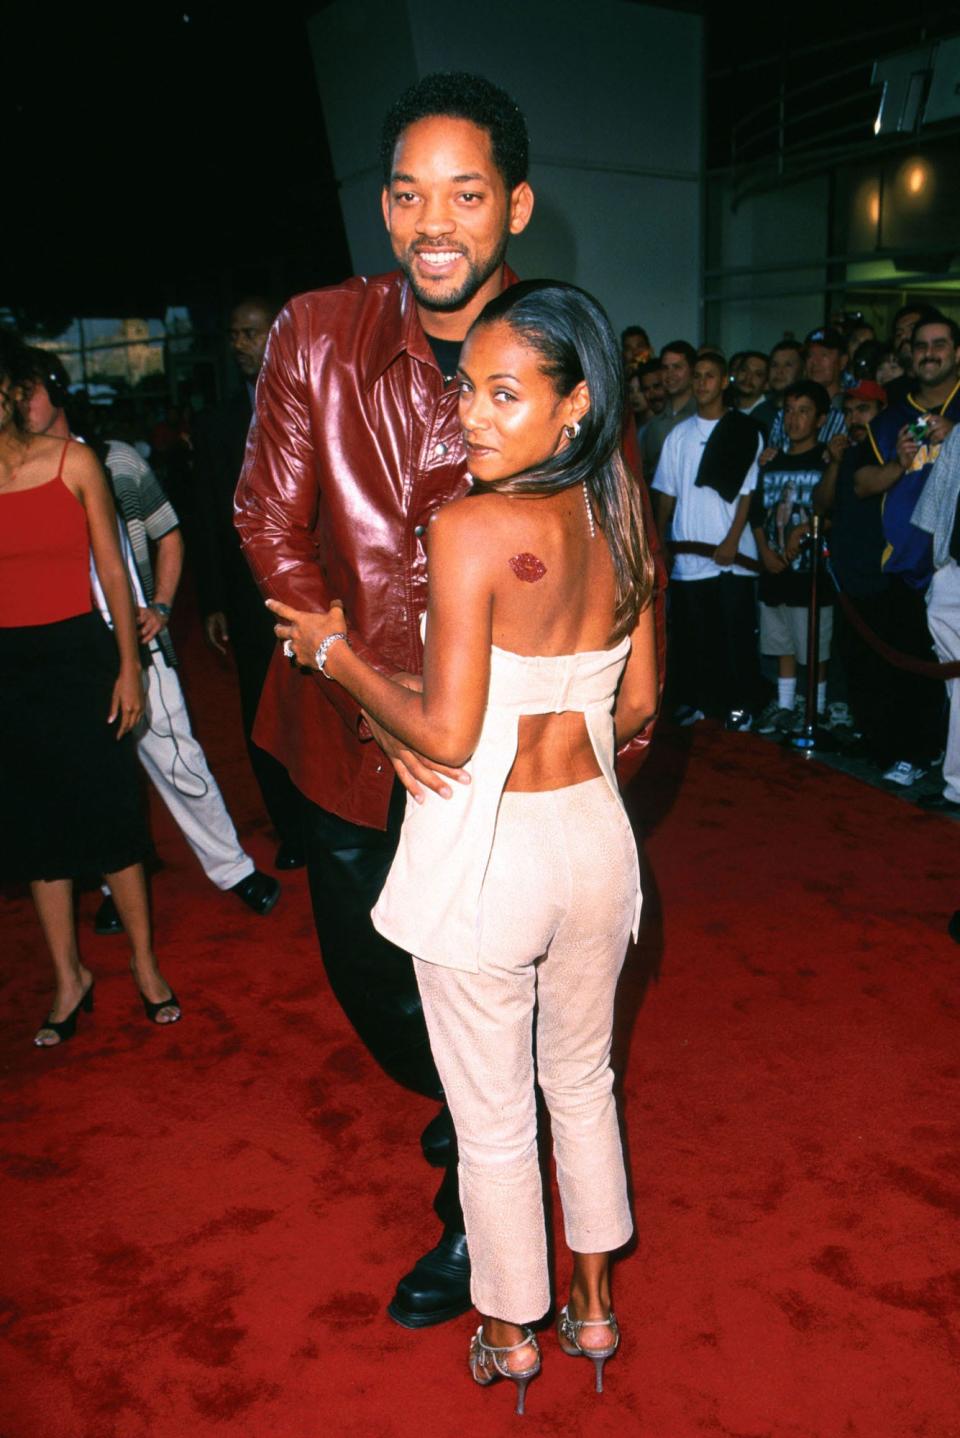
354 443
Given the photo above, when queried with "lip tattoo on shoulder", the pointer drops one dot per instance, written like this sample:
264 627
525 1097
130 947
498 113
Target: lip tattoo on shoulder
528 567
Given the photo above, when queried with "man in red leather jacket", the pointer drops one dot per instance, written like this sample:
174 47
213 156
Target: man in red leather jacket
355 443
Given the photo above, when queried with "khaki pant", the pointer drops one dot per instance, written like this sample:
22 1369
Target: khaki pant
558 904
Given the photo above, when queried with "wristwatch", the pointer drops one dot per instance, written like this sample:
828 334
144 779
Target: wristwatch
162 609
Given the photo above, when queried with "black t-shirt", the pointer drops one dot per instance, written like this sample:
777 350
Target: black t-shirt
447 355
856 539
781 502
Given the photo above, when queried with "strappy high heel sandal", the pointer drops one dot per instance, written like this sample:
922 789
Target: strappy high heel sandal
568 1336
486 1366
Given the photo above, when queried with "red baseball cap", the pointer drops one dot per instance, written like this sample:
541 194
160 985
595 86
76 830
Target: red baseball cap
867 389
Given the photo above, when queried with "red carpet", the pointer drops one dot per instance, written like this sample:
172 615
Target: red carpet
202 1226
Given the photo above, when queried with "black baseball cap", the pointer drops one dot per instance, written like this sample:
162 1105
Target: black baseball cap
827 336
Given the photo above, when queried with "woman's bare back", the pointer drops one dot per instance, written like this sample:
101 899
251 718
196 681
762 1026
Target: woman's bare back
554 593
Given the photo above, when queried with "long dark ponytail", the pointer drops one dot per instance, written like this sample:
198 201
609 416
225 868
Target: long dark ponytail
570 332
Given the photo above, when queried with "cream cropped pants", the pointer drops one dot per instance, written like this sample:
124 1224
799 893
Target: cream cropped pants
558 905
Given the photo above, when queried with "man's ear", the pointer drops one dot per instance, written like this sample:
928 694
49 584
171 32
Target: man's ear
521 207
385 206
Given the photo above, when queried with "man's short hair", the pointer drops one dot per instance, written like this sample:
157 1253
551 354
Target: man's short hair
46 368
794 345
914 309
465 97
265 303
650 366
931 316
680 347
751 354
809 389
634 330
713 357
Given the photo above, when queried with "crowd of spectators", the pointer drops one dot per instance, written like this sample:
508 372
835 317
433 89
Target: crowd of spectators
740 455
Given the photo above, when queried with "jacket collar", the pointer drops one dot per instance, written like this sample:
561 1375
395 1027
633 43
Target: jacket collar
400 330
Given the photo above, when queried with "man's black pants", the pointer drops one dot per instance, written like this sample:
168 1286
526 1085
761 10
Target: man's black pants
373 980
253 643
713 626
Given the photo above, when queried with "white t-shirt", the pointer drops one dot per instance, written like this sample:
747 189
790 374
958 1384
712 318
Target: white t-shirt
700 514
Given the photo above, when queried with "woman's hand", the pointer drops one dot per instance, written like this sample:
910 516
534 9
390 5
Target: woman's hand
306 632
127 700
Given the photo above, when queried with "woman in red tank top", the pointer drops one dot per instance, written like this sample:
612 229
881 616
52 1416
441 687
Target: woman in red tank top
70 803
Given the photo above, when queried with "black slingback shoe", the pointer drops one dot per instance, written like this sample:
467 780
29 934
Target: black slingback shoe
65 1028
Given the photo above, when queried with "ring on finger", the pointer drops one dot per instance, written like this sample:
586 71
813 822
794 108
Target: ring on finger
288 649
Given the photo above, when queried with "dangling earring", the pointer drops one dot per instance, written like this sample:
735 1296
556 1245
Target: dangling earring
572 431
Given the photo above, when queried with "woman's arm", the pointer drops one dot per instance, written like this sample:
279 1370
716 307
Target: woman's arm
443 722
638 694
84 477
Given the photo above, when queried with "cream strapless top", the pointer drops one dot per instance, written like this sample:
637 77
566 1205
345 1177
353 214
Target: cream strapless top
430 905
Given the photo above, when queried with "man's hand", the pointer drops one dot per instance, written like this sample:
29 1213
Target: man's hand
939 427
837 445
414 771
767 454
725 554
215 630
149 624
907 448
795 541
773 562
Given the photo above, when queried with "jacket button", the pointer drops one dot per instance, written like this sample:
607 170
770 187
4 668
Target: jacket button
440 450
419 530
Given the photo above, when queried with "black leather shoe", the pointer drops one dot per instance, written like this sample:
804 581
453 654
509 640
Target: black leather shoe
437 1288
436 1140
106 920
939 804
258 891
289 857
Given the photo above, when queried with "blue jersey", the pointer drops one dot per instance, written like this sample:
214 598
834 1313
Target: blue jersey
908 551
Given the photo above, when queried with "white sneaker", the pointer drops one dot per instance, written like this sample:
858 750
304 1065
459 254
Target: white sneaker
904 774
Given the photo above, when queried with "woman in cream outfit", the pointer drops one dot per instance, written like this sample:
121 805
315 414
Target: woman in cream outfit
518 894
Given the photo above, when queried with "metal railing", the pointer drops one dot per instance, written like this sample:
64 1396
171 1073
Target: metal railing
804 125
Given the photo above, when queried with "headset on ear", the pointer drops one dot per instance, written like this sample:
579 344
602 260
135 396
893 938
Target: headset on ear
56 391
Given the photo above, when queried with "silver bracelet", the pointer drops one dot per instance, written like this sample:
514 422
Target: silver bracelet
321 654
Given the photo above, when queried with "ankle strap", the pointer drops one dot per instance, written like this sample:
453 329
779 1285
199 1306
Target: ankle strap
528 1338
565 1317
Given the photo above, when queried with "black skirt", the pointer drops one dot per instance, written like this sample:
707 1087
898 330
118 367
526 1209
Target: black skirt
71 799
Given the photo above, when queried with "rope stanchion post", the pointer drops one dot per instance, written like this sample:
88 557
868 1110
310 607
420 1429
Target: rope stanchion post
811 737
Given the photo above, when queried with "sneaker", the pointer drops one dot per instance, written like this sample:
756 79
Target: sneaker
738 721
839 716
903 774
687 715
773 719
798 718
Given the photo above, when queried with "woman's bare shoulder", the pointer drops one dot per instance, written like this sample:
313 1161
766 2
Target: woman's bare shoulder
472 516
80 464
